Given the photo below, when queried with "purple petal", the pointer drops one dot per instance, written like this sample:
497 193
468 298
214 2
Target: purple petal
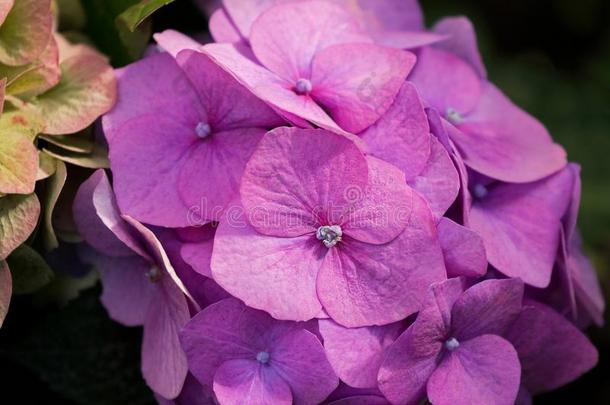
520 224
406 39
275 274
395 15
552 351
356 354
173 42
489 307
503 142
462 41
463 250
361 284
299 179
286 37
164 364
403 131
243 14
484 370
198 254
358 93
222 28
247 382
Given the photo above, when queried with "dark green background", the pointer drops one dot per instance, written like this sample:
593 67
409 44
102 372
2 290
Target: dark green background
550 56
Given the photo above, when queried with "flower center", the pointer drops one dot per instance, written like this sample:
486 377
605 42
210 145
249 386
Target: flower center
454 116
452 344
329 235
203 130
154 274
262 357
479 191
303 86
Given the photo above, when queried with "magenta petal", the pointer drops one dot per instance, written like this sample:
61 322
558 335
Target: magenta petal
503 142
395 15
402 134
356 353
247 382
267 86
463 250
173 42
552 351
461 41
358 93
228 104
199 256
286 38
406 39
88 221
211 173
127 292
361 284
445 82
361 400
277 275
439 181
484 370
301 362
489 307
520 224
244 13
382 212
222 28
164 363
299 179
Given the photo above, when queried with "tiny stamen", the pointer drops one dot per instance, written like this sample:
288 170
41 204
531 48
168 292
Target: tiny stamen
454 116
262 357
154 274
303 86
329 235
203 130
452 344
479 191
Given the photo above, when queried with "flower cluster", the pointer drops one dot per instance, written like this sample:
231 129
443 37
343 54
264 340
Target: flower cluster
331 203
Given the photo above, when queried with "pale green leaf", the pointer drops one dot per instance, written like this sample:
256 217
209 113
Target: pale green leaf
79 143
53 188
29 270
18 219
18 163
46 167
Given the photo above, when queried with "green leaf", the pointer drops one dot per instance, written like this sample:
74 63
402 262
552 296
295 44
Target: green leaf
136 14
79 143
25 32
53 188
6 290
35 78
18 219
30 271
111 35
87 89
98 159
71 15
46 167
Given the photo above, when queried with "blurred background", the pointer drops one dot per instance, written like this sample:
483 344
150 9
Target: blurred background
552 57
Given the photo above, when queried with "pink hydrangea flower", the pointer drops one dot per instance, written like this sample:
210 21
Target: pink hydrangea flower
327 227
250 358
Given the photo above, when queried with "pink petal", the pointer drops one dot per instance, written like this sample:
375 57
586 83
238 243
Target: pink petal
164 363
228 104
267 86
173 42
520 224
397 15
403 131
356 354
361 400
222 28
489 307
445 82
552 351
439 181
302 363
220 160
358 93
406 39
286 37
463 250
461 41
501 141
299 179
277 275
243 14
199 255
484 370
383 209
362 284
247 382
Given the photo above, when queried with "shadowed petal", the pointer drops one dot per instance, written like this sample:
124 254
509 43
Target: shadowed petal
463 250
